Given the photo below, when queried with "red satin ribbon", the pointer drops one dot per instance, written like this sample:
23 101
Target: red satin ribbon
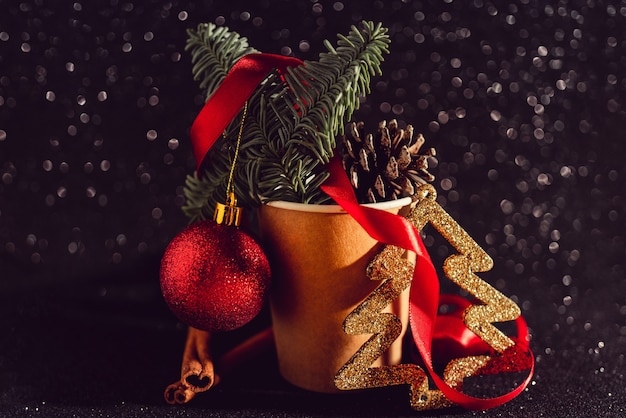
385 227
228 99
451 338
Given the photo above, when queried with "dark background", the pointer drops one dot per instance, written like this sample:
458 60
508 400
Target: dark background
523 100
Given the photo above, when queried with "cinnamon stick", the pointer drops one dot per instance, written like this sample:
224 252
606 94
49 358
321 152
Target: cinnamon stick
198 371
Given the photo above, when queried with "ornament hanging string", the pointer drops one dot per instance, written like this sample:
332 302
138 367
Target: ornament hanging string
219 111
230 187
230 213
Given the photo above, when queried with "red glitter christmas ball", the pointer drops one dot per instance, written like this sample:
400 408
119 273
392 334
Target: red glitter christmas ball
214 277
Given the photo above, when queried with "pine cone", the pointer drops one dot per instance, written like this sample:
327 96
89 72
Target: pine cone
385 165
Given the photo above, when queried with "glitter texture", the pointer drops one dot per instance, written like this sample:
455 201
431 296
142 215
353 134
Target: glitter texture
460 269
214 277
458 369
395 270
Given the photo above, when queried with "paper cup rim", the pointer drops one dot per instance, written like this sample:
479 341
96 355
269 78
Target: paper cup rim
304 207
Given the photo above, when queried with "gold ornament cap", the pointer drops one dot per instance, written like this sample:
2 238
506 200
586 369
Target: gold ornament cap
228 214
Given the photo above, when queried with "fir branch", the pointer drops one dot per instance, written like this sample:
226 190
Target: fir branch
289 133
325 93
214 50
198 191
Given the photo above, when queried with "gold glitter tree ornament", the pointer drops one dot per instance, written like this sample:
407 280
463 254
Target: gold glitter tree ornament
394 266
461 268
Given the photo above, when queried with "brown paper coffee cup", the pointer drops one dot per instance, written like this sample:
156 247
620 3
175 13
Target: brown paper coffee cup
318 262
